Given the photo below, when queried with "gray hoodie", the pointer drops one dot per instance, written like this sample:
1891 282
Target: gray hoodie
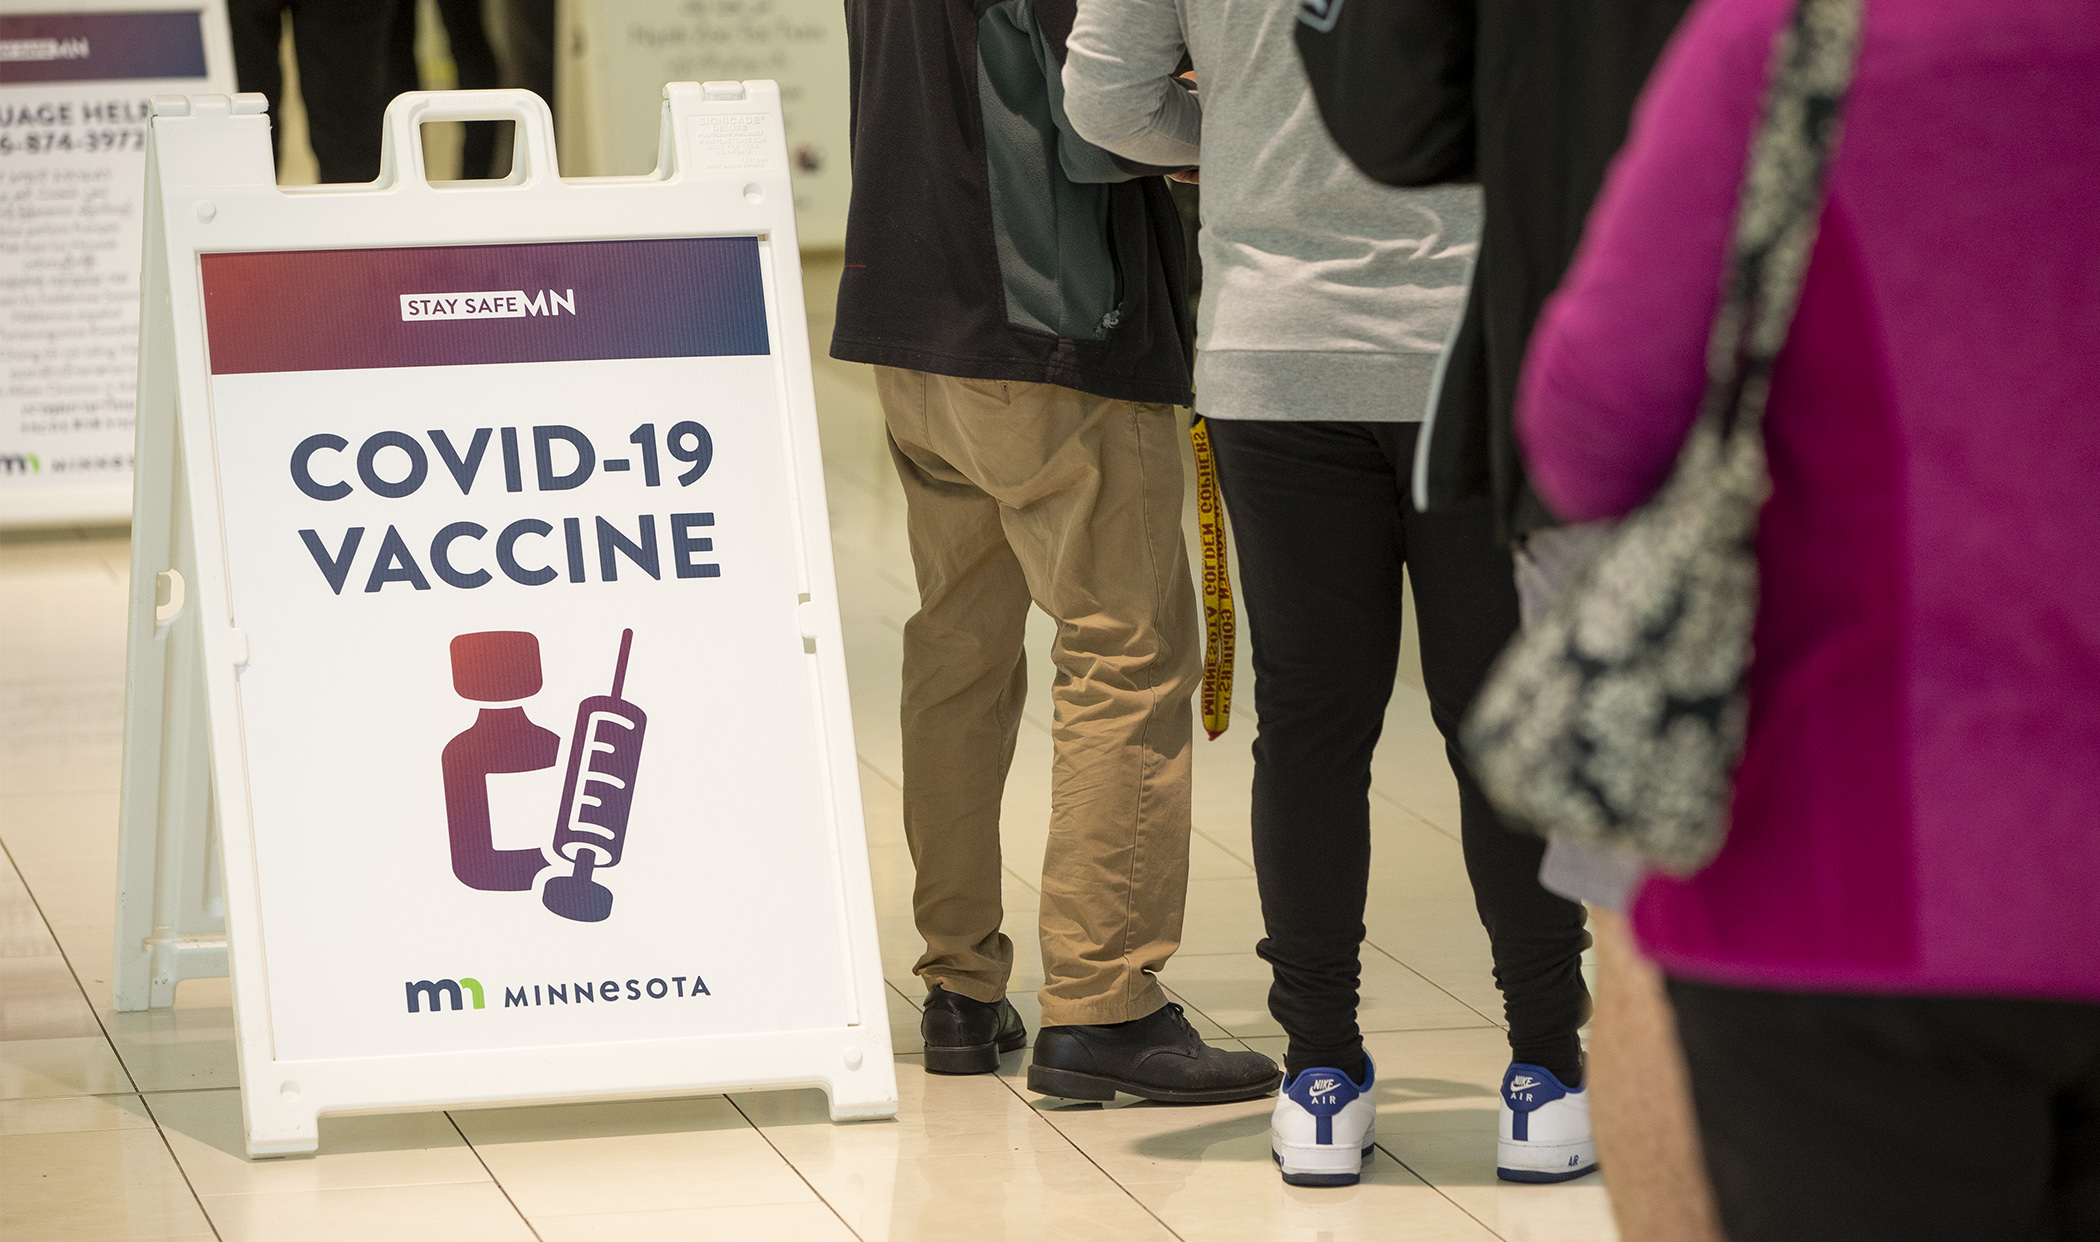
1325 294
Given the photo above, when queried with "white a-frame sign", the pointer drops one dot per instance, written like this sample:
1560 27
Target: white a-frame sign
489 529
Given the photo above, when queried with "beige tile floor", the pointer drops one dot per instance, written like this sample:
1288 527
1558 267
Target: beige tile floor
126 1126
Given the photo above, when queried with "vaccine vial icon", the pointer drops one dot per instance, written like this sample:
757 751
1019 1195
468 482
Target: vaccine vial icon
604 754
499 667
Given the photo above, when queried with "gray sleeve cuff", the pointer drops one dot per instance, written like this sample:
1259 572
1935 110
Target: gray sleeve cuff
1600 875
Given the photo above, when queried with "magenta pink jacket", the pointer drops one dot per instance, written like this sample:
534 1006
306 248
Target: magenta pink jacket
1919 807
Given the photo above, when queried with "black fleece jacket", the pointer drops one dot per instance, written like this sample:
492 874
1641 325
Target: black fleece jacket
1532 99
985 238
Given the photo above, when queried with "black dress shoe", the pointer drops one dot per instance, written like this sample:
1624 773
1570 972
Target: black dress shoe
1157 1057
965 1036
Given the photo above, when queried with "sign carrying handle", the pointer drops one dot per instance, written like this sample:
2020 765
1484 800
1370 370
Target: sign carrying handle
532 154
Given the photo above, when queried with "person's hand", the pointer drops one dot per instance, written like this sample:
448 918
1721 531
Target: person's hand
1188 177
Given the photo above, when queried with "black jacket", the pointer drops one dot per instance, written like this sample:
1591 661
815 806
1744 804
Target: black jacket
986 239
1532 99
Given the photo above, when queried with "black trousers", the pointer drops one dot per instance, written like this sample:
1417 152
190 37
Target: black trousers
529 46
1323 523
1895 1118
473 57
341 47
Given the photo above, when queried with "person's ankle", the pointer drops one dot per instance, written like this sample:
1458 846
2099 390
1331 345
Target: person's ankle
1350 1064
1564 1064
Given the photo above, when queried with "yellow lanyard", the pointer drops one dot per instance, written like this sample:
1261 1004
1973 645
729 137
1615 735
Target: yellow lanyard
1218 621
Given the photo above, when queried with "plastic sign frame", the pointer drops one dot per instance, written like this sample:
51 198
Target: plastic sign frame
722 173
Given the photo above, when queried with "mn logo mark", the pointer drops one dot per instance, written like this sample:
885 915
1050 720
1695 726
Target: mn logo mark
430 992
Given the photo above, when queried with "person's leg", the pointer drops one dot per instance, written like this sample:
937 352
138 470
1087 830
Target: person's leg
526 59
1883 1118
1640 1103
475 59
2075 1181
1466 612
258 36
342 49
1107 560
1090 498
1317 528
528 46
402 72
964 682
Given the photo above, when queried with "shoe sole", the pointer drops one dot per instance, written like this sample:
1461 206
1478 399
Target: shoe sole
1073 1085
1536 1168
972 1058
1341 1176
1539 1177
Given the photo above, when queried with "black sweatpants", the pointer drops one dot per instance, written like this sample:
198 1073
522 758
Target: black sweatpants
1841 1118
1323 523
341 47
473 59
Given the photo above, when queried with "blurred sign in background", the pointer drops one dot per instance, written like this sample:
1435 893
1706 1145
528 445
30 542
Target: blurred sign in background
75 78
612 58
616 56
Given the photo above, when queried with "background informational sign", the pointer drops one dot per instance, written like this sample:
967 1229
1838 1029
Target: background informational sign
74 83
503 568
617 55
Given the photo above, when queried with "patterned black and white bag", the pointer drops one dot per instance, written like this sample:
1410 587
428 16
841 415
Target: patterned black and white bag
1619 718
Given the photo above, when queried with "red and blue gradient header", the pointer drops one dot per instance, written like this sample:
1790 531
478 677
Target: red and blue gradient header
430 306
101 47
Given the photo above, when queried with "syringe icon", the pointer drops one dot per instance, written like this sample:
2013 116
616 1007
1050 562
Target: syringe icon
603 755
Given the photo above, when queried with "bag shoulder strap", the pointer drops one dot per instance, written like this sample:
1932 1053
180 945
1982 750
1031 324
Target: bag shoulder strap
1782 198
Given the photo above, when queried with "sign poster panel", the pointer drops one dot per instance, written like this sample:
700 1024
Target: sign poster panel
74 85
532 739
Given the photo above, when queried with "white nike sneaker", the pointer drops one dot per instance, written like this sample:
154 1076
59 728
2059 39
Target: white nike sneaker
1545 1130
1323 1127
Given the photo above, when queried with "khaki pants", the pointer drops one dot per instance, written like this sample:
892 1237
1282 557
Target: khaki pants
1018 492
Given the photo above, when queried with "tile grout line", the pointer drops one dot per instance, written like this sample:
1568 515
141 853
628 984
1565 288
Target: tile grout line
161 1132
74 973
1051 1121
1426 822
1455 997
799 1175
1382 951
1226 850
907 1000
1391 1030
496 1181
106 1095
1462 1210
